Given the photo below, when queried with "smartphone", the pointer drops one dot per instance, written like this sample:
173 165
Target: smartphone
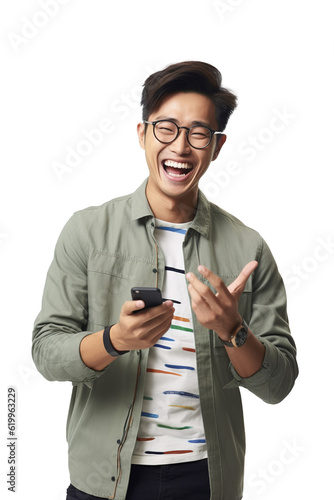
151 296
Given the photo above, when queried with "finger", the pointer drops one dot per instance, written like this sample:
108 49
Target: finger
198 285
202 290
196 297
214 280
158 312
153 328
203 299
238 285
149 322
146 315
161 329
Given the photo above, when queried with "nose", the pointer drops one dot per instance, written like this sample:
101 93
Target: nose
181 145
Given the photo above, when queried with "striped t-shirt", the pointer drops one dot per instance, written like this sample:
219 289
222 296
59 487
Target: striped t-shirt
171 427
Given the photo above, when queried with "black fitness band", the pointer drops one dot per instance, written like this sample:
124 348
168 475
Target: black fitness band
108 345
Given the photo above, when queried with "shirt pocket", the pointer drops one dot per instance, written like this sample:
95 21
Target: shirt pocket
110 279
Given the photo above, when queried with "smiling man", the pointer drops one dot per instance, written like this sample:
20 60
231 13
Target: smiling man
178 157
156 410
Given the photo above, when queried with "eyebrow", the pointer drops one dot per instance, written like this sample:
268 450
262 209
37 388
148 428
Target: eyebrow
192 124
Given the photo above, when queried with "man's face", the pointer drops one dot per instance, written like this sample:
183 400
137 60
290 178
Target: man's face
164 160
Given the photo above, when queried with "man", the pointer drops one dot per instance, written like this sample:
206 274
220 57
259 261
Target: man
155 409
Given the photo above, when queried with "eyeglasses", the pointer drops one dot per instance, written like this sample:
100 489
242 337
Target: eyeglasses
166 131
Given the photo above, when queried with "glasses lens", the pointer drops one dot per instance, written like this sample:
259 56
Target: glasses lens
199 137
165 131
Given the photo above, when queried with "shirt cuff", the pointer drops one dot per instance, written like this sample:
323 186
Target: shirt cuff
77 370
269 367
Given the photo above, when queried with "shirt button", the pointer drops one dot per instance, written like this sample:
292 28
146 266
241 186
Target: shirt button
118 441
155 270
113 478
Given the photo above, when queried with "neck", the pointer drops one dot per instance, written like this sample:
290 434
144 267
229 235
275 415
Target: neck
169 209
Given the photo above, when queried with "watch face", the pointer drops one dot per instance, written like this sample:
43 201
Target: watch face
241 337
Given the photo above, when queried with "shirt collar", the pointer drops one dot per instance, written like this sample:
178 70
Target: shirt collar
140 206
200 223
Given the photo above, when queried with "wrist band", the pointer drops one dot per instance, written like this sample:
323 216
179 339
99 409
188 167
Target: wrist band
108 345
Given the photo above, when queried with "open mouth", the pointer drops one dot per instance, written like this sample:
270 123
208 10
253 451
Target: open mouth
176 169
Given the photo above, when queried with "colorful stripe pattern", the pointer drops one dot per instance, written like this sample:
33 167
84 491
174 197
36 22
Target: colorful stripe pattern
171 421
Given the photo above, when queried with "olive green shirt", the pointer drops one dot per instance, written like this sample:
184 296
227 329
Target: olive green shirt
101 253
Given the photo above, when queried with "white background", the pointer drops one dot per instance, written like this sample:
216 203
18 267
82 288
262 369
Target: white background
67 70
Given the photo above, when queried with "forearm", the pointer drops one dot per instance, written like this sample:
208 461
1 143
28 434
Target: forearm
132 332
93 352
247 359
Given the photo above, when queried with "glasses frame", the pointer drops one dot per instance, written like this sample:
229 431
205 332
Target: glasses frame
212 132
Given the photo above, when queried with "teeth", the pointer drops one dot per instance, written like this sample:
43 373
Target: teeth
176 175
170 163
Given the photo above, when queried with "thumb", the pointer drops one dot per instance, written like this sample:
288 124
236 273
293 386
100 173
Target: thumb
133 305
237 287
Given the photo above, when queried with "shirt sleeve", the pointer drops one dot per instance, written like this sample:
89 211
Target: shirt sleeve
269 322
61 323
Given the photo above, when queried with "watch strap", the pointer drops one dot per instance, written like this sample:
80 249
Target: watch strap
108 344
228 343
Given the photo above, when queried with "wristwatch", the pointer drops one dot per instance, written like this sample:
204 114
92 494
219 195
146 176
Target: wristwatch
108 345
239 337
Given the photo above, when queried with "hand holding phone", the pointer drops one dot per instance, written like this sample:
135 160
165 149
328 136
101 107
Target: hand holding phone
135 331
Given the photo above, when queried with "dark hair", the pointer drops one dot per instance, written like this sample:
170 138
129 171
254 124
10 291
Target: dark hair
189 76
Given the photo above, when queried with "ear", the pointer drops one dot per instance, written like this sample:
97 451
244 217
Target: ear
219 145
141 134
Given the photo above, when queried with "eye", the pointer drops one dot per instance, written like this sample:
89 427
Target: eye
166 127
200 133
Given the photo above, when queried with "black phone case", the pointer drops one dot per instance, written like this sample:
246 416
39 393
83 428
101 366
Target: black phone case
151 296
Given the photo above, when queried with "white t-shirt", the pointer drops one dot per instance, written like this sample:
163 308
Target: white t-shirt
171 427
